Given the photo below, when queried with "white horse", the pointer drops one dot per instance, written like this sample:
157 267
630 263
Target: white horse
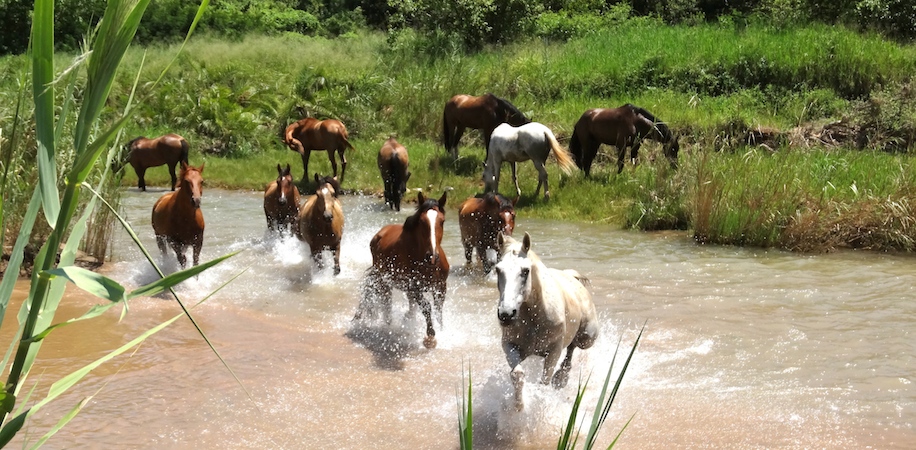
541 311
519 144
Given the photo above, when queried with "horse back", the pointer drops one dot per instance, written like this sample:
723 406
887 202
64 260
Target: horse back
472 112
581 316
393 159
395 255
471 217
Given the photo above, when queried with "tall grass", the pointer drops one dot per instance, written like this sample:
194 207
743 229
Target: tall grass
61 211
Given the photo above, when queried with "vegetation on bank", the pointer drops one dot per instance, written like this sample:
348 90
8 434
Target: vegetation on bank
730 90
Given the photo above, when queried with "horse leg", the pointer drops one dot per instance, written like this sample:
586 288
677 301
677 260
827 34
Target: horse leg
179 253
459 130
542 179
550 361
621 150
343 163
516 374
634 152
518 190
562 376
161 243
469 251
589 151
172 174
415 297
305 165
198 243
337 259
141 178
333 162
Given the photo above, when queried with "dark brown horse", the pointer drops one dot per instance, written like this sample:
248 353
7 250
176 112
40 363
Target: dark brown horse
481 220
483 113
281 202
410 258
622 127
177 218
392 163
144 153
321 221
310 134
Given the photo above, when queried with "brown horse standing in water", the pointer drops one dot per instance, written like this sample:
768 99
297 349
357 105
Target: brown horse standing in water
392 163
177 218
321 221
481 220
622 127
281 201
410 258
144 153
310 134
483 113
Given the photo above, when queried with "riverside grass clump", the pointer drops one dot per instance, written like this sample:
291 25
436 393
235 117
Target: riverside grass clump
72 158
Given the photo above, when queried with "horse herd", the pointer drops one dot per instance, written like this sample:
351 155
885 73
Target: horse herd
541 310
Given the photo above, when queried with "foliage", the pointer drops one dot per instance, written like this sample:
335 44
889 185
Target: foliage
65 214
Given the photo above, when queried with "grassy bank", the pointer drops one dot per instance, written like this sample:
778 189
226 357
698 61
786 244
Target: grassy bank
803 93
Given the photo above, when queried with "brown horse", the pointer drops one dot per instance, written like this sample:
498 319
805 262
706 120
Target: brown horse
481 220
321 221
622 127
312 134
144 153
177 218
410 258
392 163
483 113
281 201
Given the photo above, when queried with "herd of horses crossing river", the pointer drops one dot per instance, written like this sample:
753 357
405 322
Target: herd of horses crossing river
744 348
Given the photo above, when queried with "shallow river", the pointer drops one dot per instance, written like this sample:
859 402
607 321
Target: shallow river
744 348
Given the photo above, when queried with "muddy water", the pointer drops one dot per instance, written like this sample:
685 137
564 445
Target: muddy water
743 348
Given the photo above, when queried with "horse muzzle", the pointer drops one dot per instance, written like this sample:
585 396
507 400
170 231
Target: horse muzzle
433 258
195 201
506 318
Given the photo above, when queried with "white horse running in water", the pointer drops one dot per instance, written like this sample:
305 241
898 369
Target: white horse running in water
519 144
541 311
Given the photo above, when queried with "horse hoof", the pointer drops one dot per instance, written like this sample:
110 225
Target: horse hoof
429 342
560 379
337 271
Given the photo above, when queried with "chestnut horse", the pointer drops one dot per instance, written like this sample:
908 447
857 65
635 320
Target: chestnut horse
483 113
281 202
481 220
310 134
177 218
144 153
409 258
622 127
541 311
392 163
321 221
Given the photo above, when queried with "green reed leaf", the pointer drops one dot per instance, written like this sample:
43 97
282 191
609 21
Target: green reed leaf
91 282
43 94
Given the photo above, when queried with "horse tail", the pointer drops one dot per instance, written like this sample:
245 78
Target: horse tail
564 159
184 150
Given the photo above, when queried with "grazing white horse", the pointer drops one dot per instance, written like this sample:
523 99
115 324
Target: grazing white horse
519 144
541 311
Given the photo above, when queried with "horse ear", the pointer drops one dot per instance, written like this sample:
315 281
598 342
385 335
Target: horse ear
279 170
443 199
201 169
288 169
316 178
184 165
526 243
515 200
420 198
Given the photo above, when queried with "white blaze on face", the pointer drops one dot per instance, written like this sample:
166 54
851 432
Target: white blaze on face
431 215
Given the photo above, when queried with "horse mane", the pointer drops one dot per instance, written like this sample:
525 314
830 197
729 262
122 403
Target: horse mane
329 180
662 128
510 109
131 142
501 201
414 220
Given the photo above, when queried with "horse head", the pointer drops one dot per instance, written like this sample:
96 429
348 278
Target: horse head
327 195
672 149
285 184
192 182
513 278
506 214
430 218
